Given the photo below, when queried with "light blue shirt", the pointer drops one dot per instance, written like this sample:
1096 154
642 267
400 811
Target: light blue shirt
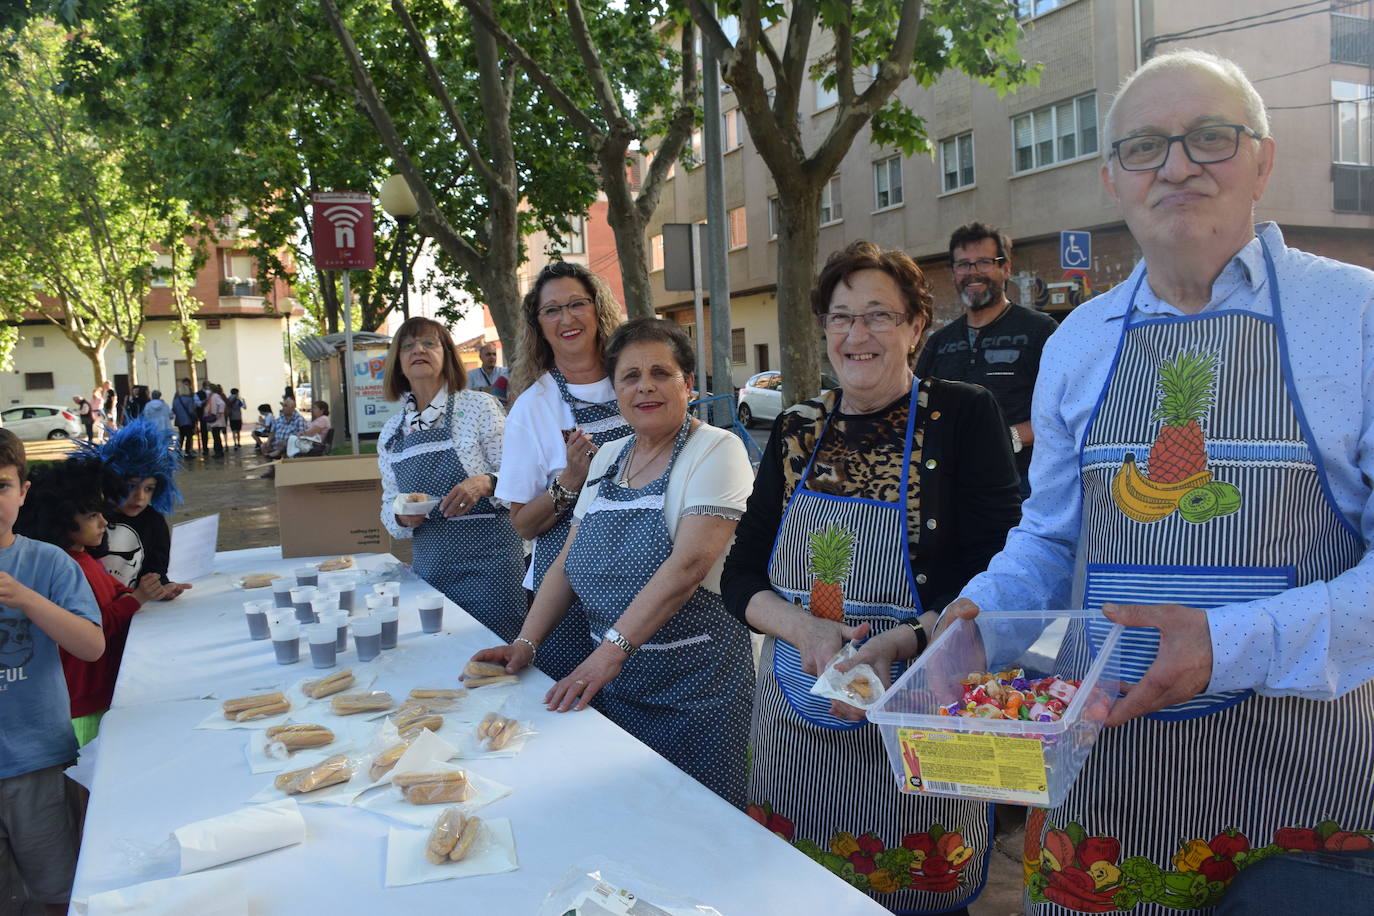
1315 641
159 414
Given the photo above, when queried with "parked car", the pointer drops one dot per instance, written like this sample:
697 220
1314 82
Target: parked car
760 398
41 421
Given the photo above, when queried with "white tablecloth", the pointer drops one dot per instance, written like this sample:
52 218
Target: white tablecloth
585 791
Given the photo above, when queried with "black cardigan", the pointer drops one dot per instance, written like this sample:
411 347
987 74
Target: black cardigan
969 488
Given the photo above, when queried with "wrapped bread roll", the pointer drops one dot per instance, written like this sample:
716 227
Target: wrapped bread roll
335 770
328 686
258 706
347 704
443 837
483 669
296 737
383 762
258 580
501 733
336 563
417 497
472 829
431 722
408 780
488 681
437 693
436 793
484 727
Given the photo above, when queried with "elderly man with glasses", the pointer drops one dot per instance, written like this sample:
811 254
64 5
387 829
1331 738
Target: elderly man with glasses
995 343
1203 467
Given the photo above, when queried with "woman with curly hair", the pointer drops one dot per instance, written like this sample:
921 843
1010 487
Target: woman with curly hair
565 411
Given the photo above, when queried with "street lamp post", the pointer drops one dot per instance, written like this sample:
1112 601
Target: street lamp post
400 203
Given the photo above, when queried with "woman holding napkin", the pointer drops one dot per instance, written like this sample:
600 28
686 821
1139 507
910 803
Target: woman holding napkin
445 445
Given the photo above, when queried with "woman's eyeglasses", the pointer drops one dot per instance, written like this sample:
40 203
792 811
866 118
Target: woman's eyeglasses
424 343
841 322
574 307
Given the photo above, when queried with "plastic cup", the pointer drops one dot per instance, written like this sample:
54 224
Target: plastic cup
307 575
367 637
348 592
324 603
256 613
286 641
376 602
322 645
390 618
432 618
281 591
339 621
301 596
390 589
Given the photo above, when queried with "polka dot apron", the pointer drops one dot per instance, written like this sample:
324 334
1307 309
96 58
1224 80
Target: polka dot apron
477 560
826 782
686 692
568 645
1171 806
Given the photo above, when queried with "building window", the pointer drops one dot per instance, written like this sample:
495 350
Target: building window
656 252
887 183
1352 39
162 271
956 163
698 149
40 342
738 232
575 242
830 202
732 129
774 217
825 98
37 381
1055 133
1352 147
737 348
1025 9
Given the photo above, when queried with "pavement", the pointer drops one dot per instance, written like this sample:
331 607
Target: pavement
247 506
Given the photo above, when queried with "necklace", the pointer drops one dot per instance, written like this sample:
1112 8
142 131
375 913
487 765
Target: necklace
648 462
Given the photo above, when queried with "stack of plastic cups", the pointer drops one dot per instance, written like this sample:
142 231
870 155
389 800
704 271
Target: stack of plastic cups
301 598
256 612
286 641
339 621
431 609
348 591
367 637
307 575
322 644
324 603
391 590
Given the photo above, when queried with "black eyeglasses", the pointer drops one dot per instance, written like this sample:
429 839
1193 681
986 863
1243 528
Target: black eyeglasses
574 307
1203 146
977 264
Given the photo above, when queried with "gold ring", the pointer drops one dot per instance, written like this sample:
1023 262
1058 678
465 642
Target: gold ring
580 683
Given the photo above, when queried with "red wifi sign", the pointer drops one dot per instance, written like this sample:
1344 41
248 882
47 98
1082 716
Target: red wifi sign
342 230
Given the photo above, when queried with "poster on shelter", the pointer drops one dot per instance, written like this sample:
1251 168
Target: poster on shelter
371 408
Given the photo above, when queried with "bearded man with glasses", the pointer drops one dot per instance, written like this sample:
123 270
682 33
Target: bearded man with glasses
995 343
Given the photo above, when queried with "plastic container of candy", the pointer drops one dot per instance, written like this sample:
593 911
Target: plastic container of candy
1011 761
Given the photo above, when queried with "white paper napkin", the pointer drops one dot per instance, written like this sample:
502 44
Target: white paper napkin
239 834
406 862
214 893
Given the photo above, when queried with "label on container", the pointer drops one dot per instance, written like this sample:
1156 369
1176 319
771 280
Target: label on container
994 767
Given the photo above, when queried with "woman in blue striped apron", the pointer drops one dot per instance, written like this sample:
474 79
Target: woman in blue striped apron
672 667
446 442
565 411
892 492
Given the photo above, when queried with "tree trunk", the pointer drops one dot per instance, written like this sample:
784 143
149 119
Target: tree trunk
131 363
329 295
97 358
634 269
797 328
190 358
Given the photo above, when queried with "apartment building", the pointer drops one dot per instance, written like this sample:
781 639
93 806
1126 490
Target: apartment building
242 328
1030 162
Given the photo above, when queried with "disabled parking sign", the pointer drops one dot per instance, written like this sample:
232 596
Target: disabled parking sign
1075 250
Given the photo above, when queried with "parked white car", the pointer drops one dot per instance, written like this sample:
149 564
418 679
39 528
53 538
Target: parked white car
41 421
760 398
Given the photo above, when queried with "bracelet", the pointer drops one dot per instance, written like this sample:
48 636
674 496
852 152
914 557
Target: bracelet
563 498
922 637
533 648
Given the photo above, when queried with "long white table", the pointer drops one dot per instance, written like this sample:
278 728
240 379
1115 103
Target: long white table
585 791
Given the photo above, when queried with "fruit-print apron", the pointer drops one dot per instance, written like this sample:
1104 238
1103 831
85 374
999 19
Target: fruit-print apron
686 692
568 645
477 560
825 783
1172 805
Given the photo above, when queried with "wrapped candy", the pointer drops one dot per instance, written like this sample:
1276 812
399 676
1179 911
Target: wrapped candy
1011 695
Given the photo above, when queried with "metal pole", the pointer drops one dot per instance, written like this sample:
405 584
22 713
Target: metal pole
352 412
716 238
700 312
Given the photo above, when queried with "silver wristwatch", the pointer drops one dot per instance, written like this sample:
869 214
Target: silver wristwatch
1015 440
614 638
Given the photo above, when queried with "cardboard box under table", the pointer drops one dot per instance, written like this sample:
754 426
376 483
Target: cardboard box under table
330 505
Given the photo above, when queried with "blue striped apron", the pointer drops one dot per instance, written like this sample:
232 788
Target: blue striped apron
1217 761
828 776
686 692
477 560
567 646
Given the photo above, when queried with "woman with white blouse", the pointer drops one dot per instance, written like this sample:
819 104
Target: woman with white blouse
644 558
445 444
565 411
